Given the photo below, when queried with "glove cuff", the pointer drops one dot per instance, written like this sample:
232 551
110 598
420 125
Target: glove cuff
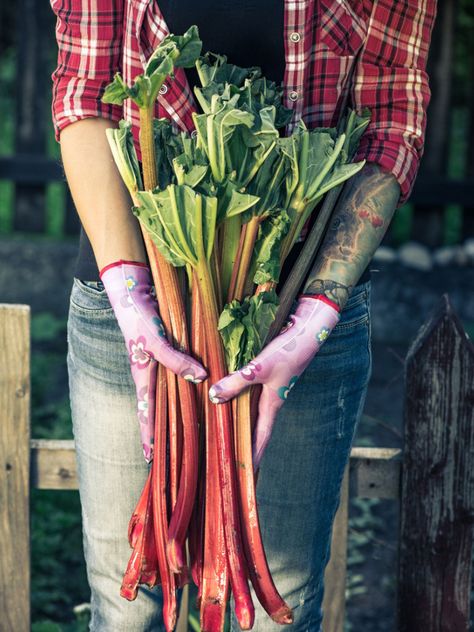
122 262
324 299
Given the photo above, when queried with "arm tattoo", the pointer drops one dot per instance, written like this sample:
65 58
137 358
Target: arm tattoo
359 222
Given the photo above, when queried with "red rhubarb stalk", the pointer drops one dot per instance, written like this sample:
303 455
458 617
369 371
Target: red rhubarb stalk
160 516
135 526
221 431
172 313
214 588
257 562
196 535
174 438
133 573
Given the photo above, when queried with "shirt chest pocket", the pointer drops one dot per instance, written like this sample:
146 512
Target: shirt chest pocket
342 25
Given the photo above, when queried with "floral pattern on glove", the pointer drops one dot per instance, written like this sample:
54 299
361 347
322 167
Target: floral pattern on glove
250 370
143 405
279 364
130 291
323 335
283 391
138 354
160 330
131 283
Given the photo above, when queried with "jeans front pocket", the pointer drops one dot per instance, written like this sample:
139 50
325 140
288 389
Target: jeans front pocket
89 297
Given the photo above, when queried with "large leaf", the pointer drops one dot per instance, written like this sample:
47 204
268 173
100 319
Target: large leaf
125 157
268 184
244 327
168 145
148 214
260 93
257 322
266 260
232 202
117 91
173 51
233 334
215 130
340 174
354 127
187 219
214 68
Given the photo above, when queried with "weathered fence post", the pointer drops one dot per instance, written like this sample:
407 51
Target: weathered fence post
14 468
437 510
334 603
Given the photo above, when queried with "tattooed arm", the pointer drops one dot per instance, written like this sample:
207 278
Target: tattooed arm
360 221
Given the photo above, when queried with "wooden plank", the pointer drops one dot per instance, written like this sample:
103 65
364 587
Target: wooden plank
14 468
335 575
438 479
375 472
53 464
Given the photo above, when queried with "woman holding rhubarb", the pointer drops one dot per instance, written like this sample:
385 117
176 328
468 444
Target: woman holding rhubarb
309 48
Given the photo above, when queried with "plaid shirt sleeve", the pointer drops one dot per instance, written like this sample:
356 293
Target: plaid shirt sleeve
391 80
89 37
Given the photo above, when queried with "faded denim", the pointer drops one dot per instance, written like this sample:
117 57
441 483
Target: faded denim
300 477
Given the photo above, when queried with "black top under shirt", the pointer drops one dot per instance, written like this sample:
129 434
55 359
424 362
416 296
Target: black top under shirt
250 33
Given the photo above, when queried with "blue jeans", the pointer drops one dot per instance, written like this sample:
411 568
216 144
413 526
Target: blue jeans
300 476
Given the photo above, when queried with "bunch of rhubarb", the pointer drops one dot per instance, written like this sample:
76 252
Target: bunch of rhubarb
220 209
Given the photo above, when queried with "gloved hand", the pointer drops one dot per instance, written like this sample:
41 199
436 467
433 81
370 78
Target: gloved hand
129 285
280 363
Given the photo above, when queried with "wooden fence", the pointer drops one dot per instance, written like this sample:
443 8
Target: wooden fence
433 481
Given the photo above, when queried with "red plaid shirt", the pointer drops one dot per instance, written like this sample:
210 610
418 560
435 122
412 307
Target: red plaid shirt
97 38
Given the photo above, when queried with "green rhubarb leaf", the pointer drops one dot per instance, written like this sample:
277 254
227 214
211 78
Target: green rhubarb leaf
168 145
260 93
148 214
232 202
267 262
187 220
257 322
117 91
187 172
173 51
268 184
338 175
214 68
244 327
216 129
233 334
355 126
125 157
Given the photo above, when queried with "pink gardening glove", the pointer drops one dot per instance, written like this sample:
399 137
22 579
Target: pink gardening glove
129 287
279 364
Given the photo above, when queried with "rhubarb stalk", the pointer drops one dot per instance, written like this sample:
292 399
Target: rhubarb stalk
160 515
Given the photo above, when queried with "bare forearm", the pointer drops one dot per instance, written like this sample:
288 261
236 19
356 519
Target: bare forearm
360 221
101 199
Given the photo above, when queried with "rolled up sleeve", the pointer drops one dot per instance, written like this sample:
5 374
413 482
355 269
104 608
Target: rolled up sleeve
391 81
89 38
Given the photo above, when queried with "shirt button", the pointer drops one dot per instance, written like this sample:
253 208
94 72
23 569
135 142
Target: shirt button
163 89
293 95
295 37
